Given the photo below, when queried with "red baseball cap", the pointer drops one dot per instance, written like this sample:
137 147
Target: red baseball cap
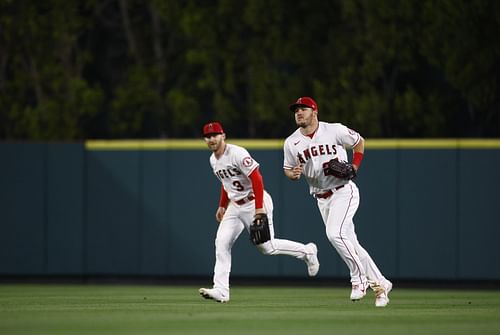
304 101
212 128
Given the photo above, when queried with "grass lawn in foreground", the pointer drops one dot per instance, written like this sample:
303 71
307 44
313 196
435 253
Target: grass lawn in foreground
118 309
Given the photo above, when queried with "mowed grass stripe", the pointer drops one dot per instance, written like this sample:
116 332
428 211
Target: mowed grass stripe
106 309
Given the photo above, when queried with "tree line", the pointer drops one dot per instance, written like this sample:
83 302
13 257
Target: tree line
73 70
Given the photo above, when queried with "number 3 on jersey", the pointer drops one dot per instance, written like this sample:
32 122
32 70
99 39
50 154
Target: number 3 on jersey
237 185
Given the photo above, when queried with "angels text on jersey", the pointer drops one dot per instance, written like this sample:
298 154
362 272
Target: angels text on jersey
329 141
316 150
233 169
227 173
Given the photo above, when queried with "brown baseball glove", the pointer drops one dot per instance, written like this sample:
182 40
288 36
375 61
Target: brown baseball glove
259 230
342 170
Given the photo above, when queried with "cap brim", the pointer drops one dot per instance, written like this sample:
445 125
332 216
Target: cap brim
209 134
292 107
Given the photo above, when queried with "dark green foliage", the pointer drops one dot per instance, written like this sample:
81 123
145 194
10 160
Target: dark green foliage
82 69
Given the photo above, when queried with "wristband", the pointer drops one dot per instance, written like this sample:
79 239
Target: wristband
357 158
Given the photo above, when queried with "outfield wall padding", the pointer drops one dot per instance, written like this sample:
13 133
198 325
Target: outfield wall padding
77 209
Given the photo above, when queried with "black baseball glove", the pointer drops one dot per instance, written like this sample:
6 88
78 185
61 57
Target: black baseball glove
259 230
342 170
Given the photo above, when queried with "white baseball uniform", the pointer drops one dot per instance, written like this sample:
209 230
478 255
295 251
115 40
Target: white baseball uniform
337 210
233 169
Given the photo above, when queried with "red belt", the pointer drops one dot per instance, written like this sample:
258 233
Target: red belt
328 193
245 200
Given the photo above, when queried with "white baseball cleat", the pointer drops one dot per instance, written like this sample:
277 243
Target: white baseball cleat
358 292
312 260
214 294
382 293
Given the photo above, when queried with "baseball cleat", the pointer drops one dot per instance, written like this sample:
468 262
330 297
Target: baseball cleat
312 260
382 293
214 294
358 292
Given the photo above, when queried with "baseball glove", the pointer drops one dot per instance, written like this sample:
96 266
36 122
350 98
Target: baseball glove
259 230
342 170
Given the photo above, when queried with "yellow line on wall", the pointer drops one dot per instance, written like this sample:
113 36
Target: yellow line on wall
433 143
273 144
176 144
143 144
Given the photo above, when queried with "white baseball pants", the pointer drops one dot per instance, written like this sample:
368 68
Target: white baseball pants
337 212
235 220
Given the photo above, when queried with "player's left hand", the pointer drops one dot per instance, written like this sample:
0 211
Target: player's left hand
259 230
342 170
260 211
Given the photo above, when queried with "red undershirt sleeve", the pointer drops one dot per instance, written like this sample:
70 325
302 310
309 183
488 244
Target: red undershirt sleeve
224 199
258 188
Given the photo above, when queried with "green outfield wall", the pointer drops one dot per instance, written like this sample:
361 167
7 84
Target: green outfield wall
429 210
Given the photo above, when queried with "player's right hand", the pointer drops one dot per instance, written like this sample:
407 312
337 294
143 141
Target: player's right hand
220 214
297 171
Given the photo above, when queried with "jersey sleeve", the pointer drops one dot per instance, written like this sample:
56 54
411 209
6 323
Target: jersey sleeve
347 136
244 161
223 199
289 160
258 188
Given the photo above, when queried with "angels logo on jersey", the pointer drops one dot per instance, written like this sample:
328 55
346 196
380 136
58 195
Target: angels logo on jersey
247 161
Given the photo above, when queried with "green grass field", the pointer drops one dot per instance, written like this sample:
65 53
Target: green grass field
118 309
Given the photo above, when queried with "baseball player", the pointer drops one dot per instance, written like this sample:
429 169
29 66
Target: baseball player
244 204
317 150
